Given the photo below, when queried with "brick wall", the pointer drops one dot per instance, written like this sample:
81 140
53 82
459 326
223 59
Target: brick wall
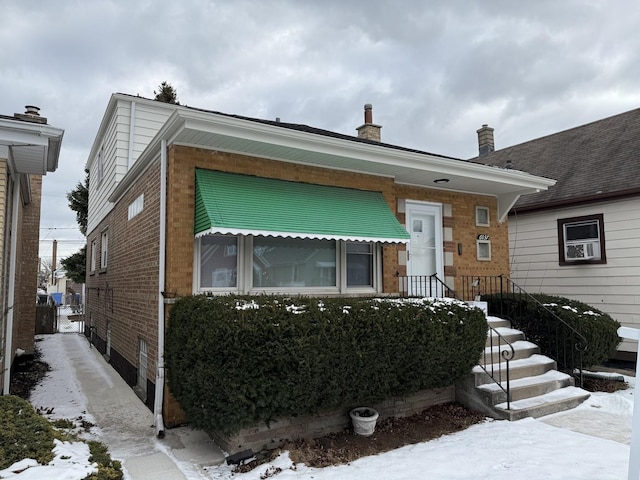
182 164
27 269
123 297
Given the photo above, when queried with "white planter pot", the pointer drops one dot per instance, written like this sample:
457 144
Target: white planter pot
364 420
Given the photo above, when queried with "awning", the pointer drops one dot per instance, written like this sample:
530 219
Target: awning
228 203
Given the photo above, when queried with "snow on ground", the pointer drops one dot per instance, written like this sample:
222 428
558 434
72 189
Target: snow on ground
561 446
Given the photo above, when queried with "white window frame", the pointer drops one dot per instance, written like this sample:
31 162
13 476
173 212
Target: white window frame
480 254
479 219
94 254
245 274
104 249
100 166
136 206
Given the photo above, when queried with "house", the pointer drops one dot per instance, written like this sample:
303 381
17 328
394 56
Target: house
184 200
579 239
29 149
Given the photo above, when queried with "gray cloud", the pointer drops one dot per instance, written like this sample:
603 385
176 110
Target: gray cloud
434 71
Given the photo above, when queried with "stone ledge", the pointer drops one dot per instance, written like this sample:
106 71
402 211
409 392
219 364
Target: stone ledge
277 433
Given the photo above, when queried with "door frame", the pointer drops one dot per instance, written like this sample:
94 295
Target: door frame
413 207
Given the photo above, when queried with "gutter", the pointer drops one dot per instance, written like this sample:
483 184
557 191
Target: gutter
160 377
8 350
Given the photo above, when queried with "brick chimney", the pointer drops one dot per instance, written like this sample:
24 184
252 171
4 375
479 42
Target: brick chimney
31 114
485 141
369 130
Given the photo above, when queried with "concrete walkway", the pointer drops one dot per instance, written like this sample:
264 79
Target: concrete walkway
126 424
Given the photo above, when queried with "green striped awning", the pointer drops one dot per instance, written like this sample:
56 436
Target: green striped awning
228 203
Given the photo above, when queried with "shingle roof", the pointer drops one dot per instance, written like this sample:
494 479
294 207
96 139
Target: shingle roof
591 162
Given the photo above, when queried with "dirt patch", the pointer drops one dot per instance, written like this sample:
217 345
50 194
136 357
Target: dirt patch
389 434
28 373
603 385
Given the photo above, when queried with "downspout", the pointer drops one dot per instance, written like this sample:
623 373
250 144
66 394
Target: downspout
8 349
159 394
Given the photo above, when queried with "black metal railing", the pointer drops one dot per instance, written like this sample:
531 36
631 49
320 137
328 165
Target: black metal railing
495 362
555 337
424 286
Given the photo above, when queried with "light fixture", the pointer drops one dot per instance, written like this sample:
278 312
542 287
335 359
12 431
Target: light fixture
441 180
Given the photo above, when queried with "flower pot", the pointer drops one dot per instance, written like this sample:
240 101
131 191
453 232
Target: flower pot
364 420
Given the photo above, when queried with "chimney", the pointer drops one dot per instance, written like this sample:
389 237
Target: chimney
485 141
31 114
369 130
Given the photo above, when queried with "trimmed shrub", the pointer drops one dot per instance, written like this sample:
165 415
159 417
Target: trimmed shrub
25 434
235 361
598 328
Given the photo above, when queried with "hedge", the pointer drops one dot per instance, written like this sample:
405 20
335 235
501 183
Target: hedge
597 327
236 361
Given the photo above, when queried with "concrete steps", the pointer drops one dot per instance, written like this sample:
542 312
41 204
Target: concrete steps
536 387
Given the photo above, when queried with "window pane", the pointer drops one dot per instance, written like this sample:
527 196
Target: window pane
359 264
293 262
581 231
218 261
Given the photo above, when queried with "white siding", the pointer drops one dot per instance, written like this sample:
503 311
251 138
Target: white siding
613 287
148 120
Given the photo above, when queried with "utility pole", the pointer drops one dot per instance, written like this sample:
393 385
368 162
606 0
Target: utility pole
54 262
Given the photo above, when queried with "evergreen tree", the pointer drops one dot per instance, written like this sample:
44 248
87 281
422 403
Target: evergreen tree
76 264
167 94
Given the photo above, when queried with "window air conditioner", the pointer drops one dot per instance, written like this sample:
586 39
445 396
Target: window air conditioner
580 251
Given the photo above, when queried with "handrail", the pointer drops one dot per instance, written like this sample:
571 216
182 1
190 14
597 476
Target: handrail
566 344
506 354
424 285
417 285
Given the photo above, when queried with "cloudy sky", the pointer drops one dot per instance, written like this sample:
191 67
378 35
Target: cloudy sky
434 70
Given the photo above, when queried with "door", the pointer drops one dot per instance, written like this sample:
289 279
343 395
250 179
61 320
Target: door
424 252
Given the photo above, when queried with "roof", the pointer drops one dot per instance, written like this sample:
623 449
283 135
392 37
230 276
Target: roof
300 144
592 162
34 144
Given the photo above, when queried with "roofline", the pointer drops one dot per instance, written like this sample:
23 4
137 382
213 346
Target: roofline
35 134
574 201
323 142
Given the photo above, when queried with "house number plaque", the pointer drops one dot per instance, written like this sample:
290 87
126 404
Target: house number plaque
483 237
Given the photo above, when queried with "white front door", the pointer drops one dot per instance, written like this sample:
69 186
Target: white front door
424 252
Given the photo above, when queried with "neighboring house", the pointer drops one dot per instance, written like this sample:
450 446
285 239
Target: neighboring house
29 148
184 200
580 238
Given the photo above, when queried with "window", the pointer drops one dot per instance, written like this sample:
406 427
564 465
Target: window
247 263
293 263
360 264
100 166
104 249
218 262
482 217
94 253
136 206
581 240
483 250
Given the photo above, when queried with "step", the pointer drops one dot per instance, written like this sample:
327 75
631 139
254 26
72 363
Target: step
553 402
529 387
525 367
496 322
511 335
521 349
